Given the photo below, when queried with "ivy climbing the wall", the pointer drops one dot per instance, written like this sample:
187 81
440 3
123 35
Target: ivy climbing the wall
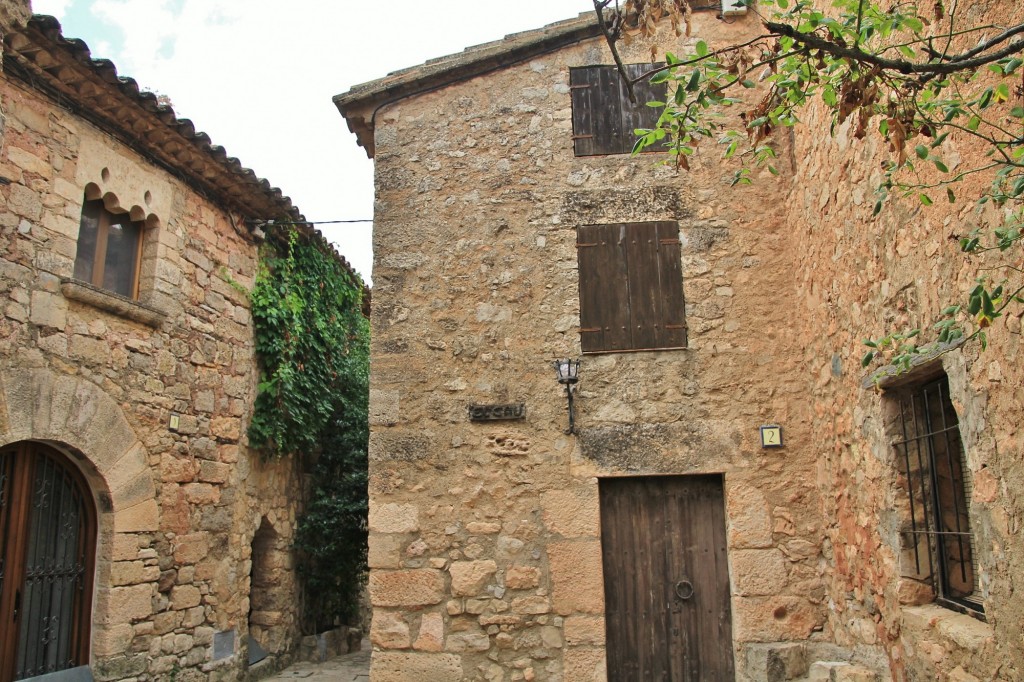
312 342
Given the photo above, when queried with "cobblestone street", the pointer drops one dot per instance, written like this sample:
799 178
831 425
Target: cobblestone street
353 667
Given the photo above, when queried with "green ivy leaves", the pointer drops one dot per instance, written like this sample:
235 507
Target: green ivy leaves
312 343
308 326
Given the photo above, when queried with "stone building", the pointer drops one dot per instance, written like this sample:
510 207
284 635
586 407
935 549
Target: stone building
140 535
668 537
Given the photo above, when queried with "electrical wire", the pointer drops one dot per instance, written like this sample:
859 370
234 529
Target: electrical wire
265 223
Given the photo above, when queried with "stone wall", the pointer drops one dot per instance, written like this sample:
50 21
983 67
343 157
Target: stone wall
101 378
485 539
860 277
13 13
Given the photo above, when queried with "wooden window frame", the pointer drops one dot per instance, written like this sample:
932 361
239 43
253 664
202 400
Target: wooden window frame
603 118
104 219
928 439
631 287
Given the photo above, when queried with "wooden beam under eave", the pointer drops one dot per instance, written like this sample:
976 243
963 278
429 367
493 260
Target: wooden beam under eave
45 60
21 44
68 76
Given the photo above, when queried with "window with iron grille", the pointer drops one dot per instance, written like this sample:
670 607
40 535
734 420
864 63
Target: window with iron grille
603 117
631 287
938 543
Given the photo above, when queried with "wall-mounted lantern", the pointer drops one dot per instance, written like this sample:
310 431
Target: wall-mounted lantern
568 374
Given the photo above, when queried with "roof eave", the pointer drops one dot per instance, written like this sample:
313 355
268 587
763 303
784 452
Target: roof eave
360 104
94 90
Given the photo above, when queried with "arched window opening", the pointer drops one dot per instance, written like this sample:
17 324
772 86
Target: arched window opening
269 598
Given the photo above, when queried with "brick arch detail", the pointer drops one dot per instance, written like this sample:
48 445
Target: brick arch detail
38 404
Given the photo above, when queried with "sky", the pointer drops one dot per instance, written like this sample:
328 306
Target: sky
258 77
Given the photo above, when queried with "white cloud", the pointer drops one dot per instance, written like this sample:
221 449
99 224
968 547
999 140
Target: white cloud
55 8
258 77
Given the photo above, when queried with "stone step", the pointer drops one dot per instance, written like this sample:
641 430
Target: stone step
814 661
840 671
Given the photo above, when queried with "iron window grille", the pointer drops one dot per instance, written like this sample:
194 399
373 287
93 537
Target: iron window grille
939 534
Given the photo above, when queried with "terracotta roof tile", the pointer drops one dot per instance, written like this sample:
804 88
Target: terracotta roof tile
39 53
360 103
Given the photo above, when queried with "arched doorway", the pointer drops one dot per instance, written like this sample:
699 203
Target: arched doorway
47 551
265 597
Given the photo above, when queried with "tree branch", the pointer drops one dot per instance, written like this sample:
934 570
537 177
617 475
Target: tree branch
709 55
955 64
609 36
988 44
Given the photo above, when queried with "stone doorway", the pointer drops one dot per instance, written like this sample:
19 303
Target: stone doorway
47 550
269 594
666 579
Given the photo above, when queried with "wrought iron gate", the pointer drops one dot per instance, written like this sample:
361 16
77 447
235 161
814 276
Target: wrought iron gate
47 542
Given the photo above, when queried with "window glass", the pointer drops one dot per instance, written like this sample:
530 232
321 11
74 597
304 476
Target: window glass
938 530
108 249
88 233
122 251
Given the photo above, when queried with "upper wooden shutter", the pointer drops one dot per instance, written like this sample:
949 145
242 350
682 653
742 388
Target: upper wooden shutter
603 118
631 287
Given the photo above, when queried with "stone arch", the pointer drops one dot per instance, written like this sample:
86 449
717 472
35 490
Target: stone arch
75 414
78 418
113 203
270 593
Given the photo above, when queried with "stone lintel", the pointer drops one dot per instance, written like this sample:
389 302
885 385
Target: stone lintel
922 366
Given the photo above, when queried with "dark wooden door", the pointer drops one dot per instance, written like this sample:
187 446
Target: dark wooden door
47 543
666 579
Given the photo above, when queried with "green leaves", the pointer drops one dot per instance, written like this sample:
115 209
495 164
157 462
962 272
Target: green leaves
878 69
897 347
307 323
694 81
312 343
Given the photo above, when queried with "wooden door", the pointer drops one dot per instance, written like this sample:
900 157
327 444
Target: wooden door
666 579
47 543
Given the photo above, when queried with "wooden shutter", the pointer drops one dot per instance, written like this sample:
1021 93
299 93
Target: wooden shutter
640 115
671 312
584 88
631 287
603 118
604 288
